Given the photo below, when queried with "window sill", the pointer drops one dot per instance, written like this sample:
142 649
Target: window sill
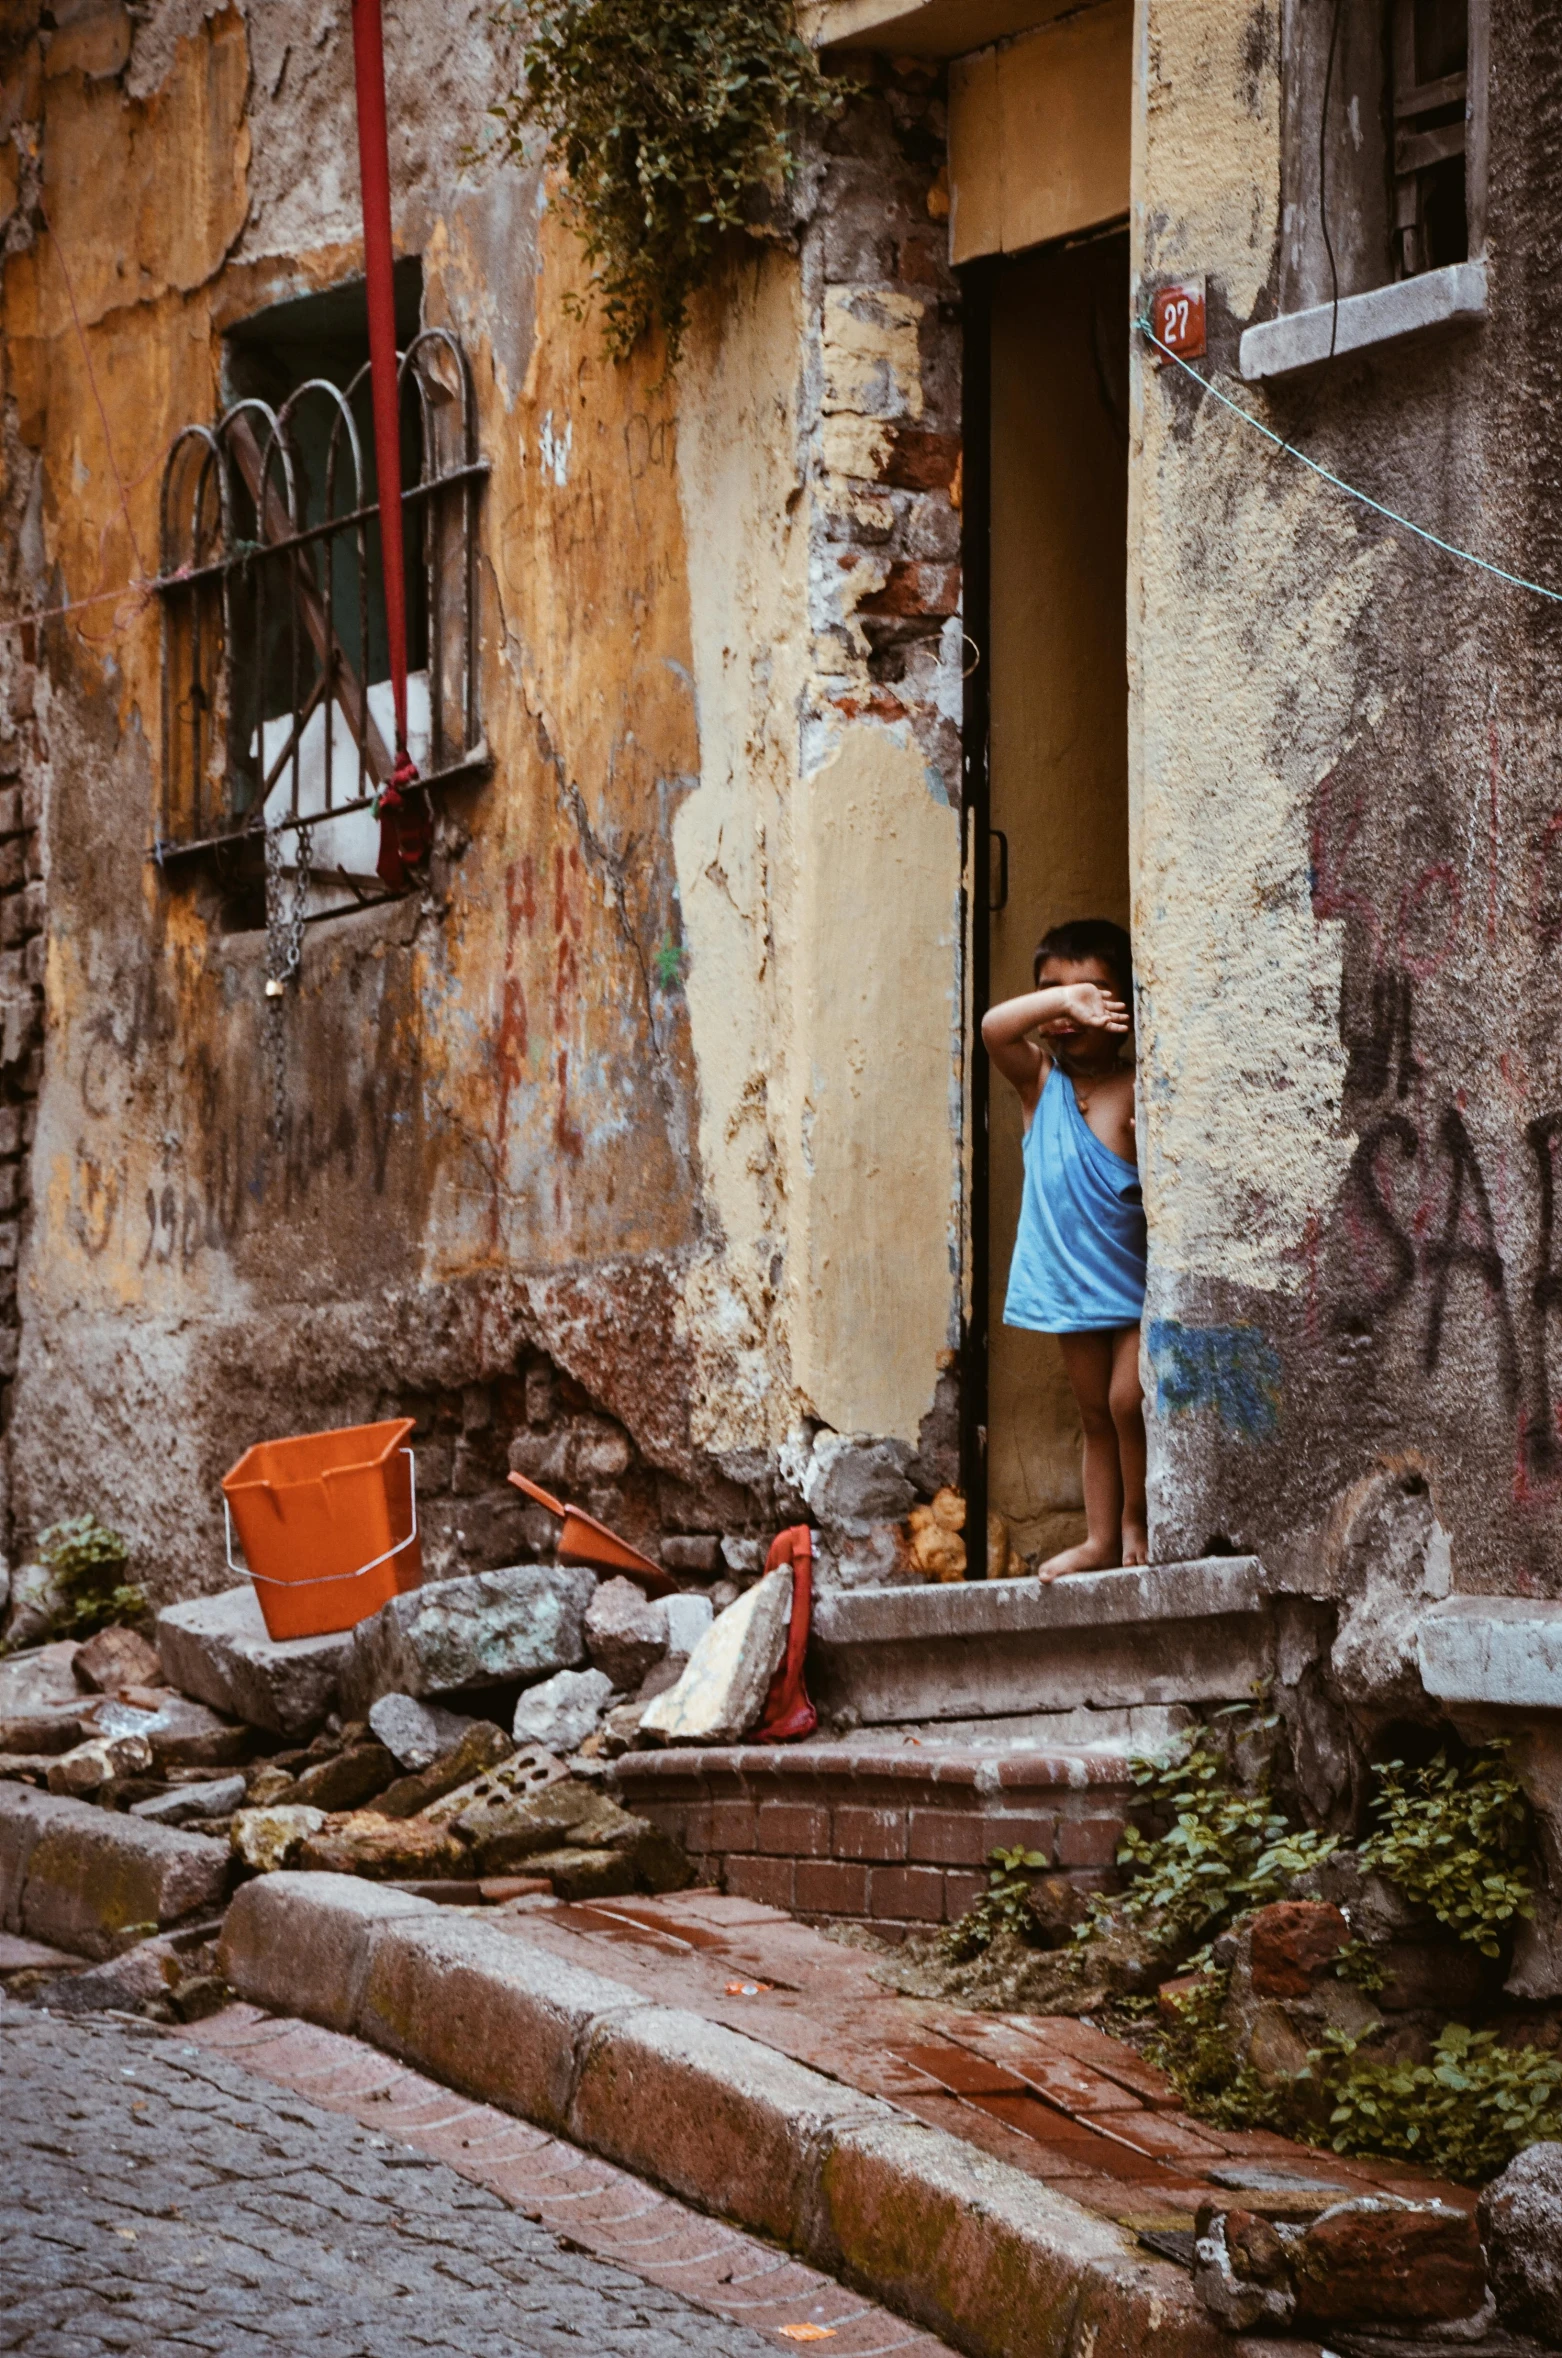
1384 315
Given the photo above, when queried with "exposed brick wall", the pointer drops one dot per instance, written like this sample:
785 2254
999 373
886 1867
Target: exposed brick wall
884 568
541 1423
876 1836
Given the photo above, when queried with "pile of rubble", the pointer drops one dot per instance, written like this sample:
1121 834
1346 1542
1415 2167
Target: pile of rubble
460 1735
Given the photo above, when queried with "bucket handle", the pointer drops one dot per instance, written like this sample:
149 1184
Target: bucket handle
321 1579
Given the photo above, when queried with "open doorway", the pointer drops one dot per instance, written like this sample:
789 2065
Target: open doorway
1055 325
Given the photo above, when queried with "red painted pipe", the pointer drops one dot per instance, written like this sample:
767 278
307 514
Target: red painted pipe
396 843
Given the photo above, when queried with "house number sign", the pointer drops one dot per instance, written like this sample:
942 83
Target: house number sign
1177 319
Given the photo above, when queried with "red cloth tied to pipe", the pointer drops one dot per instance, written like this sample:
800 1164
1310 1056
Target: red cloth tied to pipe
789 1715
402 809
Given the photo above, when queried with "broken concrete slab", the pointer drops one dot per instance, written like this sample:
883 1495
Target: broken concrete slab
418 1733
521 1622
218 1649
723 1687
186 1805
564 1710
80 1877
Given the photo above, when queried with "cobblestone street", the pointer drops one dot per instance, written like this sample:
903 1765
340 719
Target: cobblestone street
158 2198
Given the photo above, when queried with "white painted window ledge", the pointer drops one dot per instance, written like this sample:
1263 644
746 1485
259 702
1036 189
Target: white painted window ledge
1408 307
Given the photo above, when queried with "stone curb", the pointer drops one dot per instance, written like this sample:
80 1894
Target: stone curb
975 2251
77 1876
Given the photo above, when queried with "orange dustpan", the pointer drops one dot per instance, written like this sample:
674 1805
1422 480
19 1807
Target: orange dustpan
586 1541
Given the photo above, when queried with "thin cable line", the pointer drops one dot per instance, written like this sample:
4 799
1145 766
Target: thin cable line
1338 482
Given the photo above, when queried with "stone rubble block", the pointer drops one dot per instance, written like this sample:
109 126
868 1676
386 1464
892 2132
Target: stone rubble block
852 1482
1384 2261
218 1649
384 1849
39 1681
626 1632
418 1733
564 1710
1293 1941
523 1622
115 1658
270 1837
480 1746
722 1690
79 1877
1521 2227
91 1765
186 1805
181 1732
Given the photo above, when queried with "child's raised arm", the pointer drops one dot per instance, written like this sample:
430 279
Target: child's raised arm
1063 1008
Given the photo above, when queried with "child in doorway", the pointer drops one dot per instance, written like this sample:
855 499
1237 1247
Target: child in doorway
1079 1255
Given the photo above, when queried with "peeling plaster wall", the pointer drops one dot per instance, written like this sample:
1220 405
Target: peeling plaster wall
1344 799
611 1116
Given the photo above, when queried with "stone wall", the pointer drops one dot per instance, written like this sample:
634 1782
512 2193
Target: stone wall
616 1104
1345 830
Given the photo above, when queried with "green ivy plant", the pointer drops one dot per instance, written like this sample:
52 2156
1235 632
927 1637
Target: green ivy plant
1455 1836
88 1562
1465 2114
670 121
1002 1907
1224 1850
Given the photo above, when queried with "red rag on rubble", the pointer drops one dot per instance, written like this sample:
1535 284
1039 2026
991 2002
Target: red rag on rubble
789 1715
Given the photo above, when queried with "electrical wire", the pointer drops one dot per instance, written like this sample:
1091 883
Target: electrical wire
1323 160
1338 482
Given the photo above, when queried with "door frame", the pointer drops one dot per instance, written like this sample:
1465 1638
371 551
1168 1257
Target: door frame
977 283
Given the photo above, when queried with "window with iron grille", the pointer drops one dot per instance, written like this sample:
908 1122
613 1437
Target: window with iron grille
277 702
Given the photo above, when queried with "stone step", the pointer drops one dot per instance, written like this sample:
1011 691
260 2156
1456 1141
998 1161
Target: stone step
1198 1632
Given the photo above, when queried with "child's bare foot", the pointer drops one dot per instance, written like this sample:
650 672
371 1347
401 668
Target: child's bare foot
1136 1544
1089 1556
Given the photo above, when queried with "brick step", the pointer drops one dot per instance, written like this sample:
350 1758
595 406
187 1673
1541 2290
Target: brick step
885 1832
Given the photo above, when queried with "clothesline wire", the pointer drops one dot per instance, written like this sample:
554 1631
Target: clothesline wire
1338 482
142 589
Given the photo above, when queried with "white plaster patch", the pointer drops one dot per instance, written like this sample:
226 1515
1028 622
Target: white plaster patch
872 356
554 449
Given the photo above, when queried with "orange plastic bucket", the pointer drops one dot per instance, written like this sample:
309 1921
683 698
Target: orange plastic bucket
329 1525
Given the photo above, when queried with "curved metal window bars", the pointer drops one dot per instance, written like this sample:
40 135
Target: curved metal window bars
277 713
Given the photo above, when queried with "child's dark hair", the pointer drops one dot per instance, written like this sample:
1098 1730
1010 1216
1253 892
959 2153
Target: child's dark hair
1090 937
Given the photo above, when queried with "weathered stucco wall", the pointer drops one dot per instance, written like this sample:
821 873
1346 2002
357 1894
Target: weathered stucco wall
1344 841
594 1154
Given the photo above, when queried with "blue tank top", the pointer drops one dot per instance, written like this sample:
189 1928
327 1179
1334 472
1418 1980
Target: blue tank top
1079 1254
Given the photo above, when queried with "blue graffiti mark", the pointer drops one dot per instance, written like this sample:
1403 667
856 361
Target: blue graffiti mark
1235 1370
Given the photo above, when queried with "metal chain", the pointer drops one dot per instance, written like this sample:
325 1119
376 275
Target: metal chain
284 956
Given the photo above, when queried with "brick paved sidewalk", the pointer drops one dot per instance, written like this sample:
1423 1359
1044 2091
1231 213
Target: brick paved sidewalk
159 2194
1052 2096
